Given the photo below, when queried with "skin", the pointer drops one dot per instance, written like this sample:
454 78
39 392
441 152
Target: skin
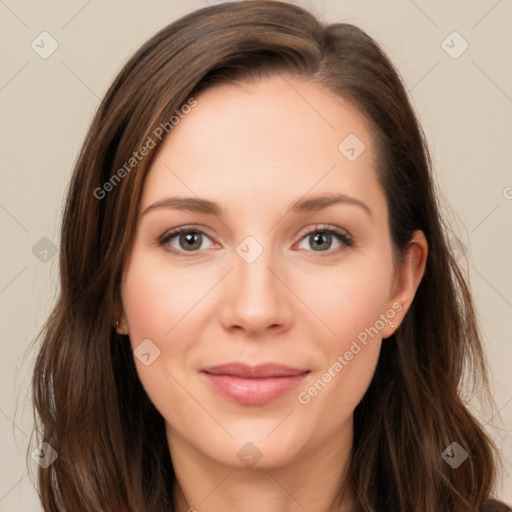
255 149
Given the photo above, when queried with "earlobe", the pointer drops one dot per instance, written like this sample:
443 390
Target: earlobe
393 317
121 327
120 323
408 279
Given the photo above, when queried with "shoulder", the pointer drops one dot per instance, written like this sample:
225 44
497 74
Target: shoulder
495 506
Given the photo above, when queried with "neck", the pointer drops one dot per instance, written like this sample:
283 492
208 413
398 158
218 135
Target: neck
306 482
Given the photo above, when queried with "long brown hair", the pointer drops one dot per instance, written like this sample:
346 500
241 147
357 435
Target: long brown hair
89 403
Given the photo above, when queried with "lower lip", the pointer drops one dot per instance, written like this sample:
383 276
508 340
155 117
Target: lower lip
254 391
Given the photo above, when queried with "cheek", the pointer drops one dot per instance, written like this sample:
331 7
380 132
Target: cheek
166 305
156 298
158 305
145 304
348 363
348 302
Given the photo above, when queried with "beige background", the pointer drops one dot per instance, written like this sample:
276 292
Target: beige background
465 105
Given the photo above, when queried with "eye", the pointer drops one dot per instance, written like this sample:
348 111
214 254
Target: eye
192 240
321 238
188 239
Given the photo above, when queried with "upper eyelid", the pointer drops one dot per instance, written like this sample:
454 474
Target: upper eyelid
325 227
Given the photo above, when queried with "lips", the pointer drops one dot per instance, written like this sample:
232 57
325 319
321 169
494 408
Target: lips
260 371
253 385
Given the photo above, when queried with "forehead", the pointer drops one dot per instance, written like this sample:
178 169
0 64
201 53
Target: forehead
262 140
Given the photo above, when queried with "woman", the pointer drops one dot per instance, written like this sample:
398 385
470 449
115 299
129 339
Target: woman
258 306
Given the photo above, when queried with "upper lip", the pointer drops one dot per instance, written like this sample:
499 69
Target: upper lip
243 370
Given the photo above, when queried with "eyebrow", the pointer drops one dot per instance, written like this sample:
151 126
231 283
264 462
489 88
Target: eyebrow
310 204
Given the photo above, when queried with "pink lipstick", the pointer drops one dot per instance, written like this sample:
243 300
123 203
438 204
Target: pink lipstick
253 385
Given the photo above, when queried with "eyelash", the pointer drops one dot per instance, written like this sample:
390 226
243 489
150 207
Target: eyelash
345 239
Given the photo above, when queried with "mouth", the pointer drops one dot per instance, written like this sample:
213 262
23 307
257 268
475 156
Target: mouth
253 385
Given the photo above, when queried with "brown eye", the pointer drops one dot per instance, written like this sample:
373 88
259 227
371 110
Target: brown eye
321 240
183 240
190 241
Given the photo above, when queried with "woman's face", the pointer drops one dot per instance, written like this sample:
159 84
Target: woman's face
260 275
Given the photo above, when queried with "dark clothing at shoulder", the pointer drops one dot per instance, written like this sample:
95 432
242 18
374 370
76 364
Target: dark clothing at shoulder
495 506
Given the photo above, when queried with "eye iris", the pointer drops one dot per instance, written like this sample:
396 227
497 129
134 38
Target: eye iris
187 240
320 235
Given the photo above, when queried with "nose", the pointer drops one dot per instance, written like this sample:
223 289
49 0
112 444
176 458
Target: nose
257 299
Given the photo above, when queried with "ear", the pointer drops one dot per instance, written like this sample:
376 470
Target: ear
407 279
